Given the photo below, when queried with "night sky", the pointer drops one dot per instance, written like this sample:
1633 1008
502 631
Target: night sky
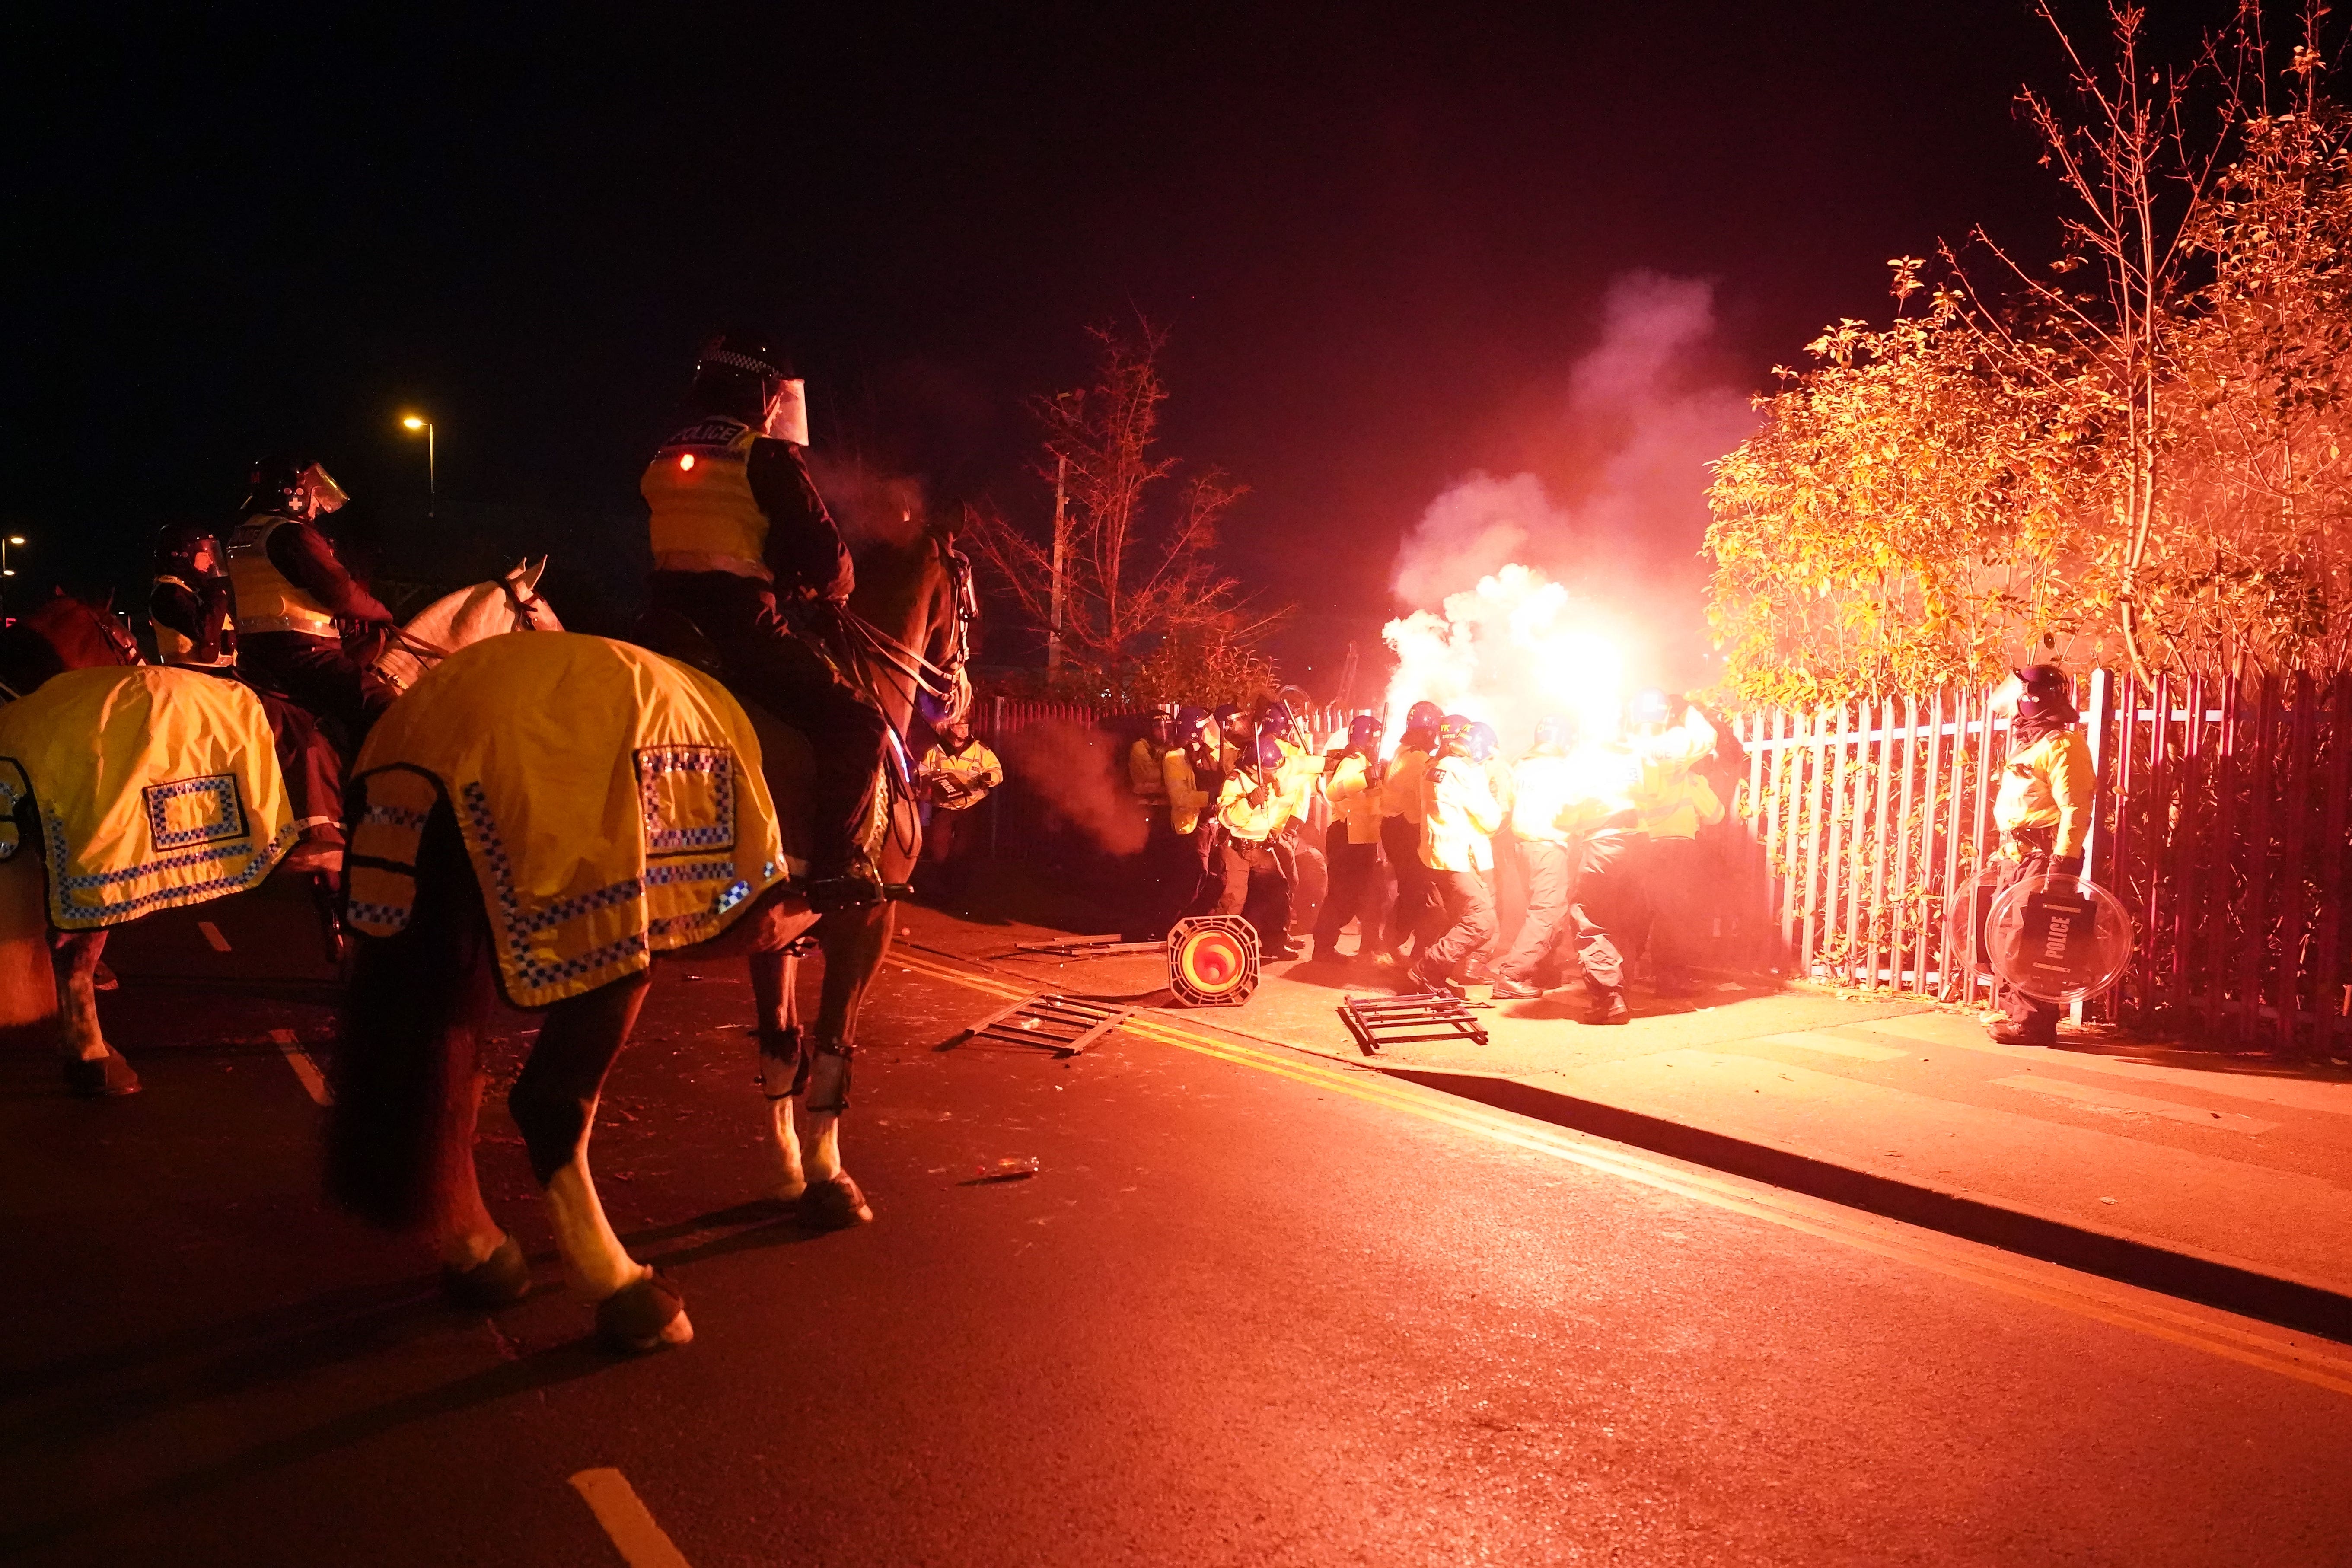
1380 238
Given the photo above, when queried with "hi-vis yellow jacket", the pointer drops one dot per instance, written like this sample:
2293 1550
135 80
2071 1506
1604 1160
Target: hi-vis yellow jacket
1250 821
1143 772
1544 784
611 802
1459 816
1355 798
1673 798
2049 784
957 781
705 518
1600 782
267 601
1186 798
1400 794
1295 778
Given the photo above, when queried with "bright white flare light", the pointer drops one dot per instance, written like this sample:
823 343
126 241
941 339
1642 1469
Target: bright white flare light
1510 651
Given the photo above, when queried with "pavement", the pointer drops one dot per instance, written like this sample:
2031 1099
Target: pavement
2224 1177
1258 1306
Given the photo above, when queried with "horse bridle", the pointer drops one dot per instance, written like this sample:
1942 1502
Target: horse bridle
523 602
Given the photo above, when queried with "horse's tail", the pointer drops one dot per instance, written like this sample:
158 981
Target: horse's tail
399 1144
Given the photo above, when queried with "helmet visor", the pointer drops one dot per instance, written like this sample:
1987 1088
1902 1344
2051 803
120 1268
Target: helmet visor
787 413
317 487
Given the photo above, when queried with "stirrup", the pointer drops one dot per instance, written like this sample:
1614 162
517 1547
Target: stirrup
826 895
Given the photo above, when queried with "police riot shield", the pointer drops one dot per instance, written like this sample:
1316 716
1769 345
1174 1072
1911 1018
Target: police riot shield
1964 922
2058 939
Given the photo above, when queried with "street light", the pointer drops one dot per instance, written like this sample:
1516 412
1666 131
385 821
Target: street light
6 571
418 421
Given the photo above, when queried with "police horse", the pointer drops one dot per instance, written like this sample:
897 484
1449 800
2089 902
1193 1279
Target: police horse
180 778
450 897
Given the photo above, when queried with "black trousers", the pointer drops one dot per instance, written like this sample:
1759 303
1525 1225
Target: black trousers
1417 896
2035 1018
1250 886
1551 884
1468 899
317 674
1610 907
1351 893
767 662
313 769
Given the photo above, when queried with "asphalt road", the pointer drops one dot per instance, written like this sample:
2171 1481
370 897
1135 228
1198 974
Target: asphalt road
1255 1307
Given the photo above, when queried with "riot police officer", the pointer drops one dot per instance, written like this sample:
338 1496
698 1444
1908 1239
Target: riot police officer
2043 811
745 551
290 591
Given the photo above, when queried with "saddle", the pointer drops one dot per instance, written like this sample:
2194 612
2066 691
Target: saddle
787 758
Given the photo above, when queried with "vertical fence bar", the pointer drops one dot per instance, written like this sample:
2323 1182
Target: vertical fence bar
2191 844
1878 920
2328 992
2254 940
1846 828
2158 840
1931 928
1899 923
1981 807
2125 693
1833 861
1955 965
2222 900
1785 830
1760 876
1817 791
2102 794
2288 894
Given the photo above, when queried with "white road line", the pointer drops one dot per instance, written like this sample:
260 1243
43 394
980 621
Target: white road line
615 1502
2114 1099
213 935
304 1067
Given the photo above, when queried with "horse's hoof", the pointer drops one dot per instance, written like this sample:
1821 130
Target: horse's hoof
649 1315
499 1280
836 1205
789 1189
107 1078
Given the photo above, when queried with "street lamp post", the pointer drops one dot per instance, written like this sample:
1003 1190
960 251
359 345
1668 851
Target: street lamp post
418 421
7 572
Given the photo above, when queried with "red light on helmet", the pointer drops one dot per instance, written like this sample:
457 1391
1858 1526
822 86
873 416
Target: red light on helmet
685 460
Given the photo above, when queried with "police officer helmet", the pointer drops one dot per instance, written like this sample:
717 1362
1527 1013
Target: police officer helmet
1556 730
1423 716
289 486
1481 742
1454 734
1274 715
1364 731
2045 681
1161 725
178 543
1245 755
738 374
1649 708
1192 724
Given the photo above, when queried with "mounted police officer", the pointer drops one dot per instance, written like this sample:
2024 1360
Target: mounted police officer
745 551
192 609
290 590
2043 811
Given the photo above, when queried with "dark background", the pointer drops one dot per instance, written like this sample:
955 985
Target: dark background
1379 236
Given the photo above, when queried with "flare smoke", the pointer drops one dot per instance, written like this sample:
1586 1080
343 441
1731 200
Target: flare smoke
1529 598
1075 770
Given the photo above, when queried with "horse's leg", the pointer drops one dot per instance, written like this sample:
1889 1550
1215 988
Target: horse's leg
783 1060
855 942
93 1068
554 1104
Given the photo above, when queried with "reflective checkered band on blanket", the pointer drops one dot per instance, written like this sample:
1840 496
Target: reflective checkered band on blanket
380 864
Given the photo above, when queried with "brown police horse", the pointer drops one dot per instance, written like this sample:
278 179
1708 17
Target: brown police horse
407 1087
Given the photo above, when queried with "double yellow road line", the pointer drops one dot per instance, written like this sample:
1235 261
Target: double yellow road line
2307 1360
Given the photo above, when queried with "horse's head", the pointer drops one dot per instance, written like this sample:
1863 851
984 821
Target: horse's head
69 631
911 621
509 603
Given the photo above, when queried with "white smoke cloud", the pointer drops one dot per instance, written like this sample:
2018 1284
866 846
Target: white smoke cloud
1526 602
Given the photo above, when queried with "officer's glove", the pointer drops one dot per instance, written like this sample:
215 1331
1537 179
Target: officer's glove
2066 865
1259 795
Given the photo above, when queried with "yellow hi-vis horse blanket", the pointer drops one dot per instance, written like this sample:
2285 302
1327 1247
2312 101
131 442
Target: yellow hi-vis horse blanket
151 788
611 802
